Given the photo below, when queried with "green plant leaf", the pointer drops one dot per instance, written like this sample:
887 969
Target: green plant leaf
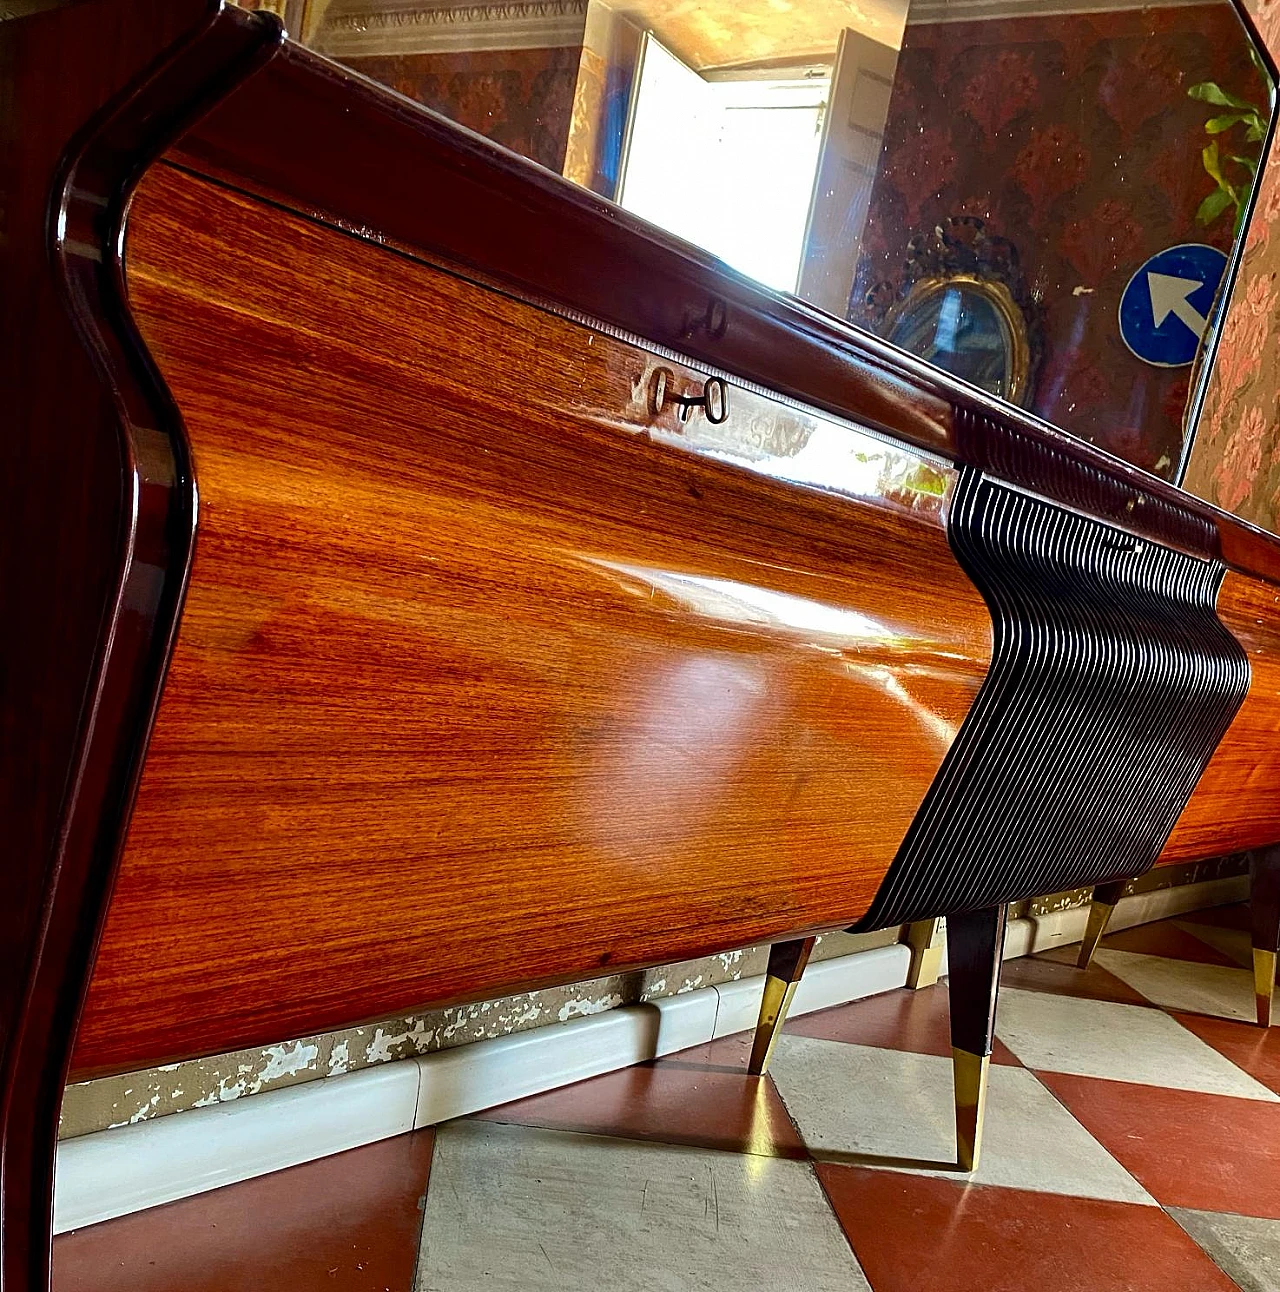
1216 125
1209 156
1228 194
1213 206
1211 92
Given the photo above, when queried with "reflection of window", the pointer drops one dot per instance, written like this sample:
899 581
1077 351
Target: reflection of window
698 149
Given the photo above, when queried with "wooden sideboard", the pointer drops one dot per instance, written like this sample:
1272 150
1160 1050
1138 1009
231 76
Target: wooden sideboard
381 637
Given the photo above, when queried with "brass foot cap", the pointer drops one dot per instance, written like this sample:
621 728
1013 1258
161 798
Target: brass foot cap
971 1073
1099 918
1264 983
778 994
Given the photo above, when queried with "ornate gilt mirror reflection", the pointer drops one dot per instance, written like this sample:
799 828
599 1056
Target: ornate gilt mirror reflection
962 304
971 328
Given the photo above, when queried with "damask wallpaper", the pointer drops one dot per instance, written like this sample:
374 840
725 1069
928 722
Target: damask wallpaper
1235 459
520 98
1026 120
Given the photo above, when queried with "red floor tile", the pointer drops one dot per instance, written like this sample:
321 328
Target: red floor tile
916 1021
701 1096
350 1222
1255 1049
914 1232
1055 971
1165 938
728 1054
1208 1152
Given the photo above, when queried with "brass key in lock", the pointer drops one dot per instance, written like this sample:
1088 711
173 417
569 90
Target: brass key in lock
714 400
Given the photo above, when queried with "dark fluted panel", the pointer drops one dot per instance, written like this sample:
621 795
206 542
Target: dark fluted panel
1054 471
1111 683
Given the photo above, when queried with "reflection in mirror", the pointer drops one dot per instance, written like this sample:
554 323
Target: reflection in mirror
963 304
1100 160
958 326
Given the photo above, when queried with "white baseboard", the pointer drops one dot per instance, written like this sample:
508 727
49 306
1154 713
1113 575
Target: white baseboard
114 1172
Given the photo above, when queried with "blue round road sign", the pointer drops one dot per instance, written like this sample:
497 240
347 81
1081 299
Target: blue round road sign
1165 308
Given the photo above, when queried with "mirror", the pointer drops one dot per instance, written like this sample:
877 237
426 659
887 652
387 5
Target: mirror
965 327
1103 154
961 303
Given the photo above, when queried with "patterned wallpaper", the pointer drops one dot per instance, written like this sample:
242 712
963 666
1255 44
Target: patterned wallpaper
520 98
1235 460
1026 119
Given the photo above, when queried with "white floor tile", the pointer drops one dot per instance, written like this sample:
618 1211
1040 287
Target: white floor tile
1182 984
867 1103
514 1208
1099 1038
1247 1248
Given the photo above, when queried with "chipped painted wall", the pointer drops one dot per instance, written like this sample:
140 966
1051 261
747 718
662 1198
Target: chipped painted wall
176 1087
139 1096
1195 872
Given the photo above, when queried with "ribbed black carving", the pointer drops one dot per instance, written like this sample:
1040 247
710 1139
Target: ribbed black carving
1016 455
1111 683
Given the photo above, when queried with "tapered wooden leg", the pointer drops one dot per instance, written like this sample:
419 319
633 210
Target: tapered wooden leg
786 964
975 946
1104 900
925 938
1264 902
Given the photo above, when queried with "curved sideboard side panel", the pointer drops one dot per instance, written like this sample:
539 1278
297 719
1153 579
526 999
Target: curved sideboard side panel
98 511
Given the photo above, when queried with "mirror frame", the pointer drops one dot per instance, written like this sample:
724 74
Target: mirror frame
1000 298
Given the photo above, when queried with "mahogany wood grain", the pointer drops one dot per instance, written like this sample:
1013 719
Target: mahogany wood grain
483 681
1236 804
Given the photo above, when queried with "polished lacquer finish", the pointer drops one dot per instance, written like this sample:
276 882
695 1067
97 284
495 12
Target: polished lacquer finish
375 164
489 676
96 519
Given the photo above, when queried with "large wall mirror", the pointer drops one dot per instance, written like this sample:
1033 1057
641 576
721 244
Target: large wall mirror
1043 199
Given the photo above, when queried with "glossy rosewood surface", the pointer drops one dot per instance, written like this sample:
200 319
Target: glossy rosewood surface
1236 804
486 677
357 155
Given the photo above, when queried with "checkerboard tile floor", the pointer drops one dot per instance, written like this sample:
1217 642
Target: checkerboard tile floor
1133 1142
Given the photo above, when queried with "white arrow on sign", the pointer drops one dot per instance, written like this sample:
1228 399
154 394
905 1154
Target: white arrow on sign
1169 296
